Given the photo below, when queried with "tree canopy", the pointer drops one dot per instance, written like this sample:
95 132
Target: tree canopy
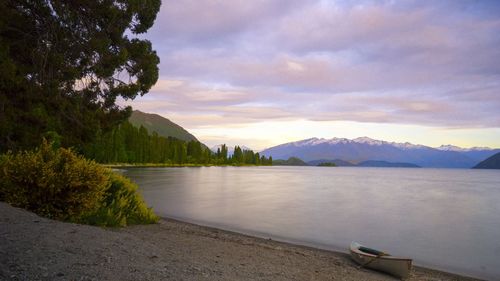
63 64
129 144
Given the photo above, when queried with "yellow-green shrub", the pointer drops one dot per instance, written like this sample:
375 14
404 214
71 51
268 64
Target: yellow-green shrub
53 183
122 205
59 184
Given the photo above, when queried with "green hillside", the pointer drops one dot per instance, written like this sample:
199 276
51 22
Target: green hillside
160 125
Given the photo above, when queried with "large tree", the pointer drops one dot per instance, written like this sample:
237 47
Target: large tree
63 64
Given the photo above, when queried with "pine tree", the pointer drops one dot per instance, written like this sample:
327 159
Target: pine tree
63 64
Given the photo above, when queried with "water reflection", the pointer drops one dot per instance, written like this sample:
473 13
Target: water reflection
447 219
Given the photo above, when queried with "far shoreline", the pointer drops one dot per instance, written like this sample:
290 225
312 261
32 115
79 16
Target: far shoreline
162 165
153 165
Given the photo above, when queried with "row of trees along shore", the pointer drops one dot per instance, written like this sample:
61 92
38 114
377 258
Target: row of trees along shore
63 65
128 144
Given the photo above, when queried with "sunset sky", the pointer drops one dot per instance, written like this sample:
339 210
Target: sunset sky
261 73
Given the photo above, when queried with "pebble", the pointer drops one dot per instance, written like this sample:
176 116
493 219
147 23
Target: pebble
178 256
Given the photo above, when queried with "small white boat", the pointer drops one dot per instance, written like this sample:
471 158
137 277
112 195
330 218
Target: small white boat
378 260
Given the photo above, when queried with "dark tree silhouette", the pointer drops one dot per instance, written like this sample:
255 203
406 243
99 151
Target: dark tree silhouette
63 64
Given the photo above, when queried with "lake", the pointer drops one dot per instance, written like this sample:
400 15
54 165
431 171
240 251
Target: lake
447 219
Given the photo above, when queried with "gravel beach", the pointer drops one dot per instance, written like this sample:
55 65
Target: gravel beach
35 248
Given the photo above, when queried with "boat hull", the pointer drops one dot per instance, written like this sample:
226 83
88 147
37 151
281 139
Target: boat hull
399 267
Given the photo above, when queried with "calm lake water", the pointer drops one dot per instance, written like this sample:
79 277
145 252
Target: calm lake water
442 218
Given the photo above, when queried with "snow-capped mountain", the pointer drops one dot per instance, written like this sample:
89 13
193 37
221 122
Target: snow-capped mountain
364 140
449 147
365 148
478 154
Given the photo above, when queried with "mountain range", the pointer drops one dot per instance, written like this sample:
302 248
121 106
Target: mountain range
364 149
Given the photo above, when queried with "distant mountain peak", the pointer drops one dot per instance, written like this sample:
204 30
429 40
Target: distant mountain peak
318 141
368 140
449 147
408 145
364 139
310 141
405 145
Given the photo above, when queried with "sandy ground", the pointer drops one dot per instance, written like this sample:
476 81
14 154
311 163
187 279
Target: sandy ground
34 248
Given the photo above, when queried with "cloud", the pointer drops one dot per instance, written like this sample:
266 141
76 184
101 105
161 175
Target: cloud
231 63
213 22
344 49
198 105
194 104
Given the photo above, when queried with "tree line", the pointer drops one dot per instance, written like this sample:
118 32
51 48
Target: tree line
126 143
63 65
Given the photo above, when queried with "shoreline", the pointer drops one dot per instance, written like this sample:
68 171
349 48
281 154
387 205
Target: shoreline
300 244
307 246
35 248
159 165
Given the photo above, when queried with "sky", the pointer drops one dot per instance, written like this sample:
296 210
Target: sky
265 72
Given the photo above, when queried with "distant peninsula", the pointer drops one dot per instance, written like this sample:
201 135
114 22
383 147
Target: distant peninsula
327 164
492 162
374 163
292 161
337 162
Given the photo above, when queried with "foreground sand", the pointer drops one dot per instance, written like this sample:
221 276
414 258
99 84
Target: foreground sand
34 248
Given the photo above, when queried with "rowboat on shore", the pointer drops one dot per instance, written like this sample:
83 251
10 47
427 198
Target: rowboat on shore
378 260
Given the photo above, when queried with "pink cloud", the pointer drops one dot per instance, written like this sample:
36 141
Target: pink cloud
243 61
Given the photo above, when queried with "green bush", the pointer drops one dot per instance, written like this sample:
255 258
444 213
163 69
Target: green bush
58 184
53 183
122 205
